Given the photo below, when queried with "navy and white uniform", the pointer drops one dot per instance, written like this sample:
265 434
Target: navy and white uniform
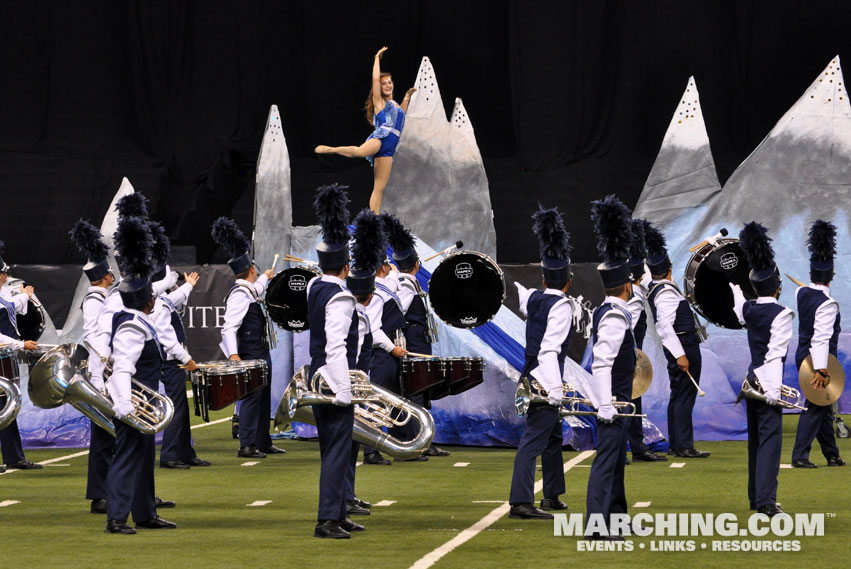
416 314
137 354
177 439
10 307
333 351
364 358
676 327
612 368
549 316
818 336
244 333
769 327
636 305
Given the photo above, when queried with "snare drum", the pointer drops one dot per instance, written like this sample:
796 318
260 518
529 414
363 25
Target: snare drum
466 289
454 370
420 374
475 376
286 297
706 284
9 364
255 375
219 384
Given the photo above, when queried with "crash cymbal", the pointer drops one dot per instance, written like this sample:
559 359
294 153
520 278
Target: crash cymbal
643 375
829 394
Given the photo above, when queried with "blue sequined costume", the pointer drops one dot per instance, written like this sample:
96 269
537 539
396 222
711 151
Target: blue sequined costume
389 123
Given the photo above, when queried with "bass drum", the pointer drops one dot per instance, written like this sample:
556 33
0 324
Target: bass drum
286 297
466 289
709 272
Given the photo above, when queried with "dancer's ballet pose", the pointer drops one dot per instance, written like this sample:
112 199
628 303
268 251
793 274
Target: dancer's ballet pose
388 117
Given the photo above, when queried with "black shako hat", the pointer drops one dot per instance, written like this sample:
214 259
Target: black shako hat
133 243
88 239
226 233
822 246
331 206
614 235
756 245
554 245
369 249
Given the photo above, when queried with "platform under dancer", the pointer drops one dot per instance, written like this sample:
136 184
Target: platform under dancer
549 319
770 327
818 336
612 368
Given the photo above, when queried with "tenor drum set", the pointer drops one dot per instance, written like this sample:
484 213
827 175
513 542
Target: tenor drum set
218 384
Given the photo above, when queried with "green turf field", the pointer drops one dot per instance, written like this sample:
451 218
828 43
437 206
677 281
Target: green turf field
433 503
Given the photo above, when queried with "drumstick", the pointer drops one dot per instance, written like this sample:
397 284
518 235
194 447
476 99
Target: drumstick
275 262
722 233
201 366
794 280
289 258
458 245
416 355
696 386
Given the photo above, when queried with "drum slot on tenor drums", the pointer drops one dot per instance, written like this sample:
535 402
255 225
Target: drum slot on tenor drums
420 374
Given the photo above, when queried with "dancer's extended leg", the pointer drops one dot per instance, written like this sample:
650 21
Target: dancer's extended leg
368 148
382 174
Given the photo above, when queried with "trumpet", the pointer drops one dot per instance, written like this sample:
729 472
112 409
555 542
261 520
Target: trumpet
530 391
790 398
59 377
375 407
10 401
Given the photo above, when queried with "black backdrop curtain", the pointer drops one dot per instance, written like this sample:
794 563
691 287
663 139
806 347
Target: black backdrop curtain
569 99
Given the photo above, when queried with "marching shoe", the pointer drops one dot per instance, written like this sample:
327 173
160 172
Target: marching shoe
234 426
250 452
353 509
528 512
421 458
195 461
156 523
770 510
803 463
351 526
24 464
753 506
553 504
98 506
114 526
274 450
649 457
330 529
836 461
361 503
671 452
375 458
436 451
175 464
2 469
692 453
160 503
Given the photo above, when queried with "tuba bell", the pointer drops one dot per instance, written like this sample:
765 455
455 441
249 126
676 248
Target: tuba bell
10 401
790 398
375 407
530 391
59 377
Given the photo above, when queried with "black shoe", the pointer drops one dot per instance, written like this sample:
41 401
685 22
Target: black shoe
351 526
836 461
528 512
274 450
353 509
435 451
421 458
803 463
770 510
671 452
361 503
98 506
156 523
692 453
330 529
250 452
24 464
175 464
649 457
114 526
160 503
2 469
375 458
234 427
195 461
753 506
553 504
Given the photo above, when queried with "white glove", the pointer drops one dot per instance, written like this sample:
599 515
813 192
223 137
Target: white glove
96 380
122 409
343 398
770 400
606 413
554 396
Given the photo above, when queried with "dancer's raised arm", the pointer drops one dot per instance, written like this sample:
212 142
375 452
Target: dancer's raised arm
407 99
377 99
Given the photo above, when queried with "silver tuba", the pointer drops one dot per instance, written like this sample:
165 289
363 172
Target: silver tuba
790 398
375 407
530 391
10 401
59 377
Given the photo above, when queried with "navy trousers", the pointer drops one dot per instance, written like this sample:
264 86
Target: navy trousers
606 494
815 423
254 413
384 372
177 437
542 437
683 394
765 435
350 475
635 430
10 443
101 453
334 424
130 482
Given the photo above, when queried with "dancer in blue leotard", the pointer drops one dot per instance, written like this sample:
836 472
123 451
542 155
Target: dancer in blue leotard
388 118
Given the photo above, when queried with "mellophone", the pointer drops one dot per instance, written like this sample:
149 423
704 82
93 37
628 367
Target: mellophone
217 384
436 377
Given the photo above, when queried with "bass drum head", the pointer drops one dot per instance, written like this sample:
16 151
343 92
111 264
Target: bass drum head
31 324
286 298
466 290
712 268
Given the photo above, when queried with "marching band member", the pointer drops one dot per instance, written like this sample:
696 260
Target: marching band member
89 240
769 327
137 355
333 351
637 310
549 317
10 306
612 368
176 451
675 324
247 334
818 336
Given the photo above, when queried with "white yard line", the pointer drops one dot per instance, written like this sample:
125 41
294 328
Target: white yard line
5 503
461 464
383 503
642 505
677 464
436 555
258 503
